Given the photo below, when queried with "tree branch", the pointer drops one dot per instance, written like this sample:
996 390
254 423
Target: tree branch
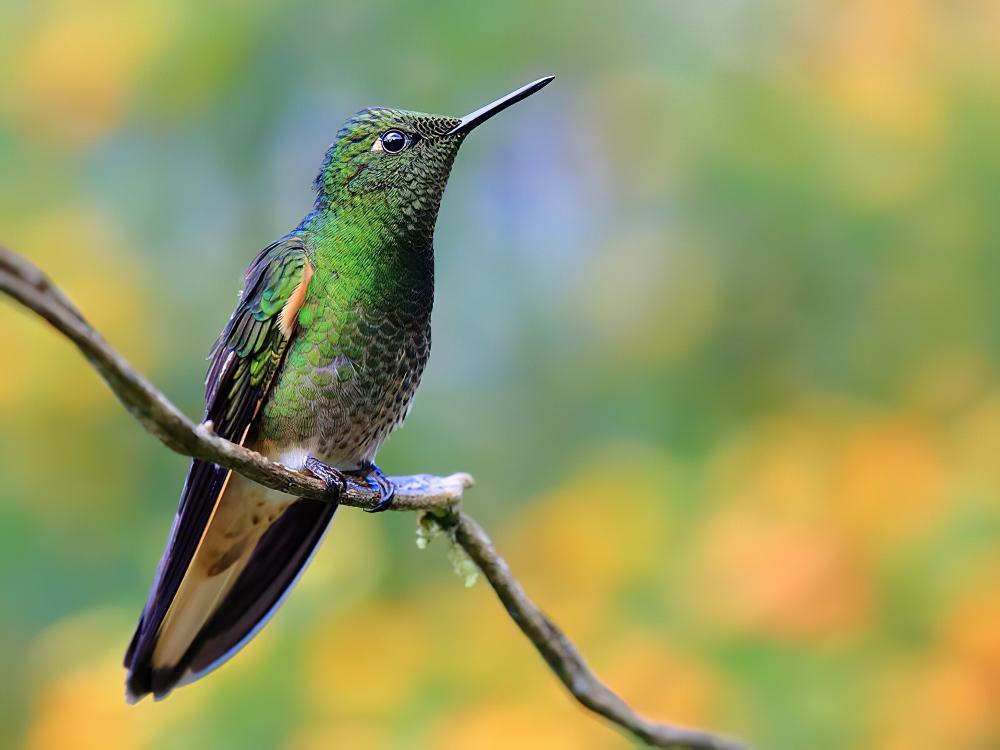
25 283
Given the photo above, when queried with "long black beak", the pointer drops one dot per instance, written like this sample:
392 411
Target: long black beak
481 115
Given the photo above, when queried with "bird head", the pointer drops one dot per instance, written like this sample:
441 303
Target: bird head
391 166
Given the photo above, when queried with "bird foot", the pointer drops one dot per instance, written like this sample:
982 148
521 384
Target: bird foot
334 479
375 478
368 473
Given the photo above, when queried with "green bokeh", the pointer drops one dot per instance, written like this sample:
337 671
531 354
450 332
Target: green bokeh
726 233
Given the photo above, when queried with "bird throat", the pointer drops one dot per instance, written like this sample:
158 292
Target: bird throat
384 253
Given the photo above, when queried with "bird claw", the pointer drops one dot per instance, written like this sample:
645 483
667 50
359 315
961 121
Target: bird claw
377 480
334 479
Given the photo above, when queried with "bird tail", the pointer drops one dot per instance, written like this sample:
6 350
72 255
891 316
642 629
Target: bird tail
248 559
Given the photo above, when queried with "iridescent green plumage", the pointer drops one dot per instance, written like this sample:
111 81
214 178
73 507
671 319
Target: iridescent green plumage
364 328
317 365
252 344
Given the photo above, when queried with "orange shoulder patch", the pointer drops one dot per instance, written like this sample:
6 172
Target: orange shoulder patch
290 312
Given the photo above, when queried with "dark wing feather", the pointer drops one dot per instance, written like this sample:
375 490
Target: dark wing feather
244 360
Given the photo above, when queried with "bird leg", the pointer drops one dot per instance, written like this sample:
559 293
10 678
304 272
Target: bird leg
334 479
377 480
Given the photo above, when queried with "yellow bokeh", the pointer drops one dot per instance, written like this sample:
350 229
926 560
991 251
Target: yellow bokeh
874 59
958 677
872 477
573 551
660 679
105 282
82 61
80 705
366 661
780 578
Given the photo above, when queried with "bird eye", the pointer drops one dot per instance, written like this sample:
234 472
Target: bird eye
393 141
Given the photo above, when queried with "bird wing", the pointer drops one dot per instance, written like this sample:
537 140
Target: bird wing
244 361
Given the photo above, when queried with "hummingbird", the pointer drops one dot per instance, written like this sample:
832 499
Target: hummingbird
316 366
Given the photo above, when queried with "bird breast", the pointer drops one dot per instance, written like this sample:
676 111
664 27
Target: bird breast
345 385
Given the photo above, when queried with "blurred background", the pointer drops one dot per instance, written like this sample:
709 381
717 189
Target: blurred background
746 255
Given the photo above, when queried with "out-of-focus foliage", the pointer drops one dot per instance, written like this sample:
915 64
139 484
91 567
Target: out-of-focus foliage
717 330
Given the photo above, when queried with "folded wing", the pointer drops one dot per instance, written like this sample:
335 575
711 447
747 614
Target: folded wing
206 599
